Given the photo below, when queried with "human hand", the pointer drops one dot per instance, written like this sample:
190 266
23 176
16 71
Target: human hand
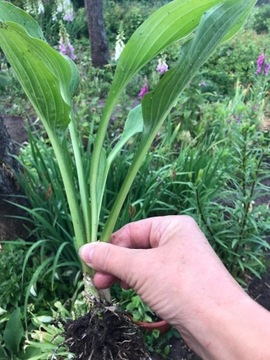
167 260
171 265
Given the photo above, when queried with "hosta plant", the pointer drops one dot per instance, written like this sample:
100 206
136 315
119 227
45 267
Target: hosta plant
50 80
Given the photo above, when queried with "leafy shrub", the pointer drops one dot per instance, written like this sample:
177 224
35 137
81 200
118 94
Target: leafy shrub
233 61
25 287
186 172
48 209
11 263
127 14
260 20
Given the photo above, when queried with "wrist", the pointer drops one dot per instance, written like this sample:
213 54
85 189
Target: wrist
238 330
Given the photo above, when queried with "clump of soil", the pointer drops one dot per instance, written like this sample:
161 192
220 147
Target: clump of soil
105 333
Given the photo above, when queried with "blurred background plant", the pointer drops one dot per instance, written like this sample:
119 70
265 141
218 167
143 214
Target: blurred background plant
210 160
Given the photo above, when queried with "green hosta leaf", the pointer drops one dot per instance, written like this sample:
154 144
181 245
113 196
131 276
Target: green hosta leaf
133 125
48 78
9 12
217 25
13 332
168 24
101 181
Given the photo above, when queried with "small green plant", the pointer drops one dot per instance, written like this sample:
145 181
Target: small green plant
160 344
10 341
132 303
46 339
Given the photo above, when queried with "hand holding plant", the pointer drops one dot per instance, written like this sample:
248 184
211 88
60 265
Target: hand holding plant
209 309
50 81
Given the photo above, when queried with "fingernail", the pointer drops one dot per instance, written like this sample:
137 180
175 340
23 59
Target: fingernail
86 252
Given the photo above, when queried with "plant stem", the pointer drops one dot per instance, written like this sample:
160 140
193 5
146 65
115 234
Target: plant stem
84 195
95 164
250 197
201 213
131 174
66 173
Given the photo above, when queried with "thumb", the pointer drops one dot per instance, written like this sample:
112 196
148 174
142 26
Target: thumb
108 258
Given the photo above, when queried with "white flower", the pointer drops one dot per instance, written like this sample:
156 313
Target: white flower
65 7
162 66
40 7
119 46
59 8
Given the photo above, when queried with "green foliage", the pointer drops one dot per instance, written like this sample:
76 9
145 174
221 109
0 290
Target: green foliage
58 76
13 333
48 208
52 16
18 284
127 15
22 276
11 280
226 179
260 20
50 80
132 303
240 235
160 344
12 337
207 159
45 339
235 60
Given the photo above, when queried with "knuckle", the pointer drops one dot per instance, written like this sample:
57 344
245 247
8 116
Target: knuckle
102 257
187 219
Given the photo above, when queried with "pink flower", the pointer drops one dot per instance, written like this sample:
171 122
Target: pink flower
262 65
266 69
69 17
162 66
62 48
144 90
70 52
260 60
66 48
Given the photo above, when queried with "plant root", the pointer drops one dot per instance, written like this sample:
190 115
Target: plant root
105 333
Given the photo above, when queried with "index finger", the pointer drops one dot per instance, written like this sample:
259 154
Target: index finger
143 234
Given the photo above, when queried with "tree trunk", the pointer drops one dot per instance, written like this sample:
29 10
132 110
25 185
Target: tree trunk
262 2
97 34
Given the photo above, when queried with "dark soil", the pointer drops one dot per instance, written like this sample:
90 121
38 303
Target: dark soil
259 290
105 334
